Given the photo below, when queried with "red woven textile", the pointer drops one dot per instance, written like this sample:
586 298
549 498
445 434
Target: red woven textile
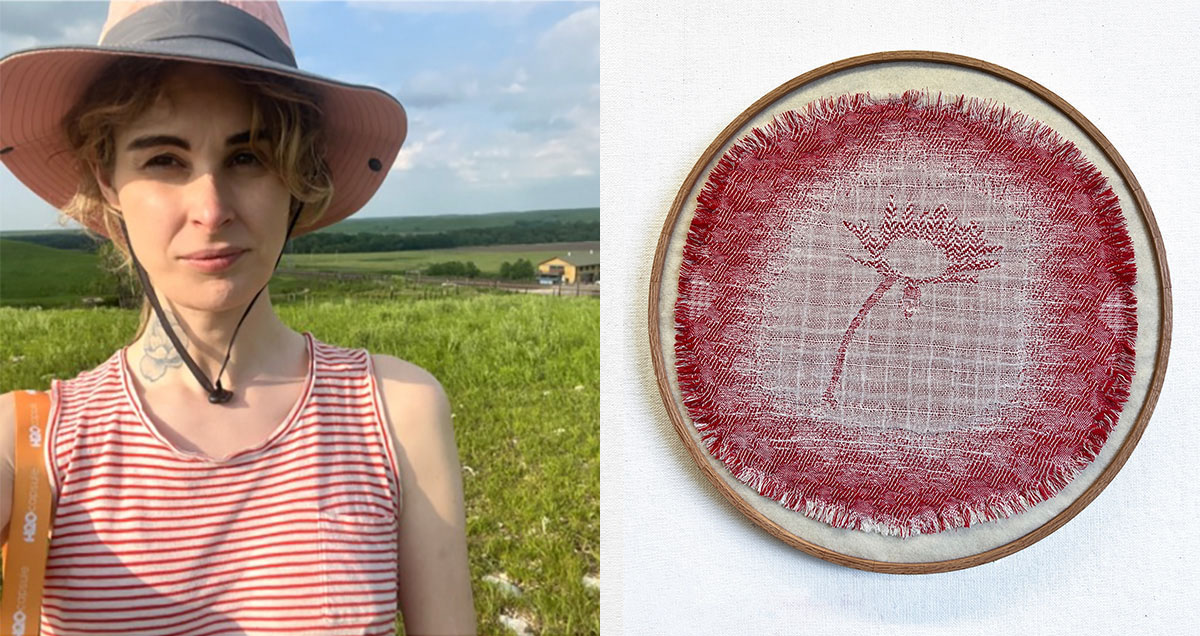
905 314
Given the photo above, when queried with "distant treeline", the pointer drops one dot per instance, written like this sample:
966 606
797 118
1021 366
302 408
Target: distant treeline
66 240
454 268
330 242
521 232
522 269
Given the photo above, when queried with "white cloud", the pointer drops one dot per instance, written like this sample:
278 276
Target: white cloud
499 11
407 159
17 42
520 77
440 6
540 123
574 42
432 89
408 153
85 32
33 24
465 168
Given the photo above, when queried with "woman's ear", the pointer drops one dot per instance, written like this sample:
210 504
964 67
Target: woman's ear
106 189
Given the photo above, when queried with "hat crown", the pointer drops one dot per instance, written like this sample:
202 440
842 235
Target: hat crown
267 12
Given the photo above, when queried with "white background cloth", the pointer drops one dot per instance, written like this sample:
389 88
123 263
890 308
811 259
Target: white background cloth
676 558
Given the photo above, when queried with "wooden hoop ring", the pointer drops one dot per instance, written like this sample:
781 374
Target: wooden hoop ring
698 454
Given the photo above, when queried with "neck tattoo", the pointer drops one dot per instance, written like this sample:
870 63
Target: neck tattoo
158 352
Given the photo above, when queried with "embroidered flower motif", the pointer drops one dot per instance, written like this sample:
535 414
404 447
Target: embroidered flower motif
914 250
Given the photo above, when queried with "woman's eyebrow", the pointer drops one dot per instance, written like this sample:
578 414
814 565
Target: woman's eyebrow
244 137
240 138
151 141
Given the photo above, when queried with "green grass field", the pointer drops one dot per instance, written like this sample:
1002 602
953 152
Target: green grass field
32 274
522 374
487 259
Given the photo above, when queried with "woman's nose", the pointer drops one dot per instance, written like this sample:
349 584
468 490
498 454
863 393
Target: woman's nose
208 204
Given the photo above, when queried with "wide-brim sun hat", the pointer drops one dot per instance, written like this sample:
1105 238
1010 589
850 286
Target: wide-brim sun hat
364 126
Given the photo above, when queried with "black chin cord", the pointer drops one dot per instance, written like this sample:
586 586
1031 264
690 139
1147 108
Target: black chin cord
216 394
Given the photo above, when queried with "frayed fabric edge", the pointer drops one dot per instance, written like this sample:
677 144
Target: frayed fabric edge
1123 268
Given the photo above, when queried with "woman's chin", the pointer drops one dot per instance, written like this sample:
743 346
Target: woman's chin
217 294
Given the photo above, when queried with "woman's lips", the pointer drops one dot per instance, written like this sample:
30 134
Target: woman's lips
214 264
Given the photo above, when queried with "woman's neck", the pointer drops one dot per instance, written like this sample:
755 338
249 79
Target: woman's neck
264 348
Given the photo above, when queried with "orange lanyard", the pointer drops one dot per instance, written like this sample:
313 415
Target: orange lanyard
29 526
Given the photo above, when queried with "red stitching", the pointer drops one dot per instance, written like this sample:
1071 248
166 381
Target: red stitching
796 449
962 246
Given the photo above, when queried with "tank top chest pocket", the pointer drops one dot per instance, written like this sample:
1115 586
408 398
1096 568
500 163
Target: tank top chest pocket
358 562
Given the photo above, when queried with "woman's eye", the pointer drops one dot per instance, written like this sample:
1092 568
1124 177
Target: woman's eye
162 161
245 159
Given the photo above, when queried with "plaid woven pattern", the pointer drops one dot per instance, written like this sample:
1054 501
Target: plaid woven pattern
905 314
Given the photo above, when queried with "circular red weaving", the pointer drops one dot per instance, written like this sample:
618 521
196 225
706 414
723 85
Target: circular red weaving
905 314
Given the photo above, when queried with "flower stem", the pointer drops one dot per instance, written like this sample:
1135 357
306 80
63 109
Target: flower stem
874 298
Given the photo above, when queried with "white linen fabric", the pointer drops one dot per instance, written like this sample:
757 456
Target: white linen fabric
676 557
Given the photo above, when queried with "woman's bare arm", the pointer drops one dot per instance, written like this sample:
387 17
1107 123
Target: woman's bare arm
434 575
8 435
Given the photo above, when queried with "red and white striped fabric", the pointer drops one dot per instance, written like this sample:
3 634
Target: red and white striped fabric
296 536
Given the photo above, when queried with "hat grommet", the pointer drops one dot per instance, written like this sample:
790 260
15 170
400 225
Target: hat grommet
374 164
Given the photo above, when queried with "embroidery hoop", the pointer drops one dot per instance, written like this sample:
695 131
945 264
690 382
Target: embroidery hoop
895 71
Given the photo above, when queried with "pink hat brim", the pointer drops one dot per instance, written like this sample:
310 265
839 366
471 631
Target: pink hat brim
364 126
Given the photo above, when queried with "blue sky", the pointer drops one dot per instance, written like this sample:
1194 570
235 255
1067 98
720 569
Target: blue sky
503 98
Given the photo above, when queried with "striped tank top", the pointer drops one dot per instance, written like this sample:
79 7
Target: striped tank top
294 536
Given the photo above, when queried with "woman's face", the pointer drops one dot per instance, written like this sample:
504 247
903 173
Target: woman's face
190 185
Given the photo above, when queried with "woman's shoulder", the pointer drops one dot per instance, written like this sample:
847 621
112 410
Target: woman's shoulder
417 412
102 376
8 432
414 398
8 438
401 384
391 368
414 404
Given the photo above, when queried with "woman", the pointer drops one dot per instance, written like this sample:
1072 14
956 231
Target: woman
224 473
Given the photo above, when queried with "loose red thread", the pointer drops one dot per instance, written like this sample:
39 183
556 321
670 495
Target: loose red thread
987 221
961 245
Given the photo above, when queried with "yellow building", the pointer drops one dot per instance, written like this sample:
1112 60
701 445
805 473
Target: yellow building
572 268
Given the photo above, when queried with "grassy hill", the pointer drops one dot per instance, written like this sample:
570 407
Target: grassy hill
408 224
498 228
35 275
